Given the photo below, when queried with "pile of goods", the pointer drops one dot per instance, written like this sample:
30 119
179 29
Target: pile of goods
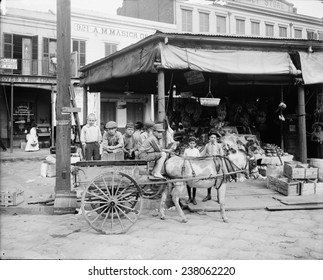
272 150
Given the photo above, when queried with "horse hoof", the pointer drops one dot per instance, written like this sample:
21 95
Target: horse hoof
226 220
162 217
184 221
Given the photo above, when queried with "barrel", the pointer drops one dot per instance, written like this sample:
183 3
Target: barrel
317 162
65 203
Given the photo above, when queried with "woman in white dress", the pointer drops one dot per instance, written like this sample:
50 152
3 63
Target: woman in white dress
32 139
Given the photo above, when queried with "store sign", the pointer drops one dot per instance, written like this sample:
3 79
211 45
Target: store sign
109 31
270 4
8 63
27 80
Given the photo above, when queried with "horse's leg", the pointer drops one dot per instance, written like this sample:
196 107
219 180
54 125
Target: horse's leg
176 192
221 198
163 200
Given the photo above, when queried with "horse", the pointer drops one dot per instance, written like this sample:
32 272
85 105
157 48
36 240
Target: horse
178 167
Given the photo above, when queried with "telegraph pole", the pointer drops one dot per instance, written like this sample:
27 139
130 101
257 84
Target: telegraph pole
65 199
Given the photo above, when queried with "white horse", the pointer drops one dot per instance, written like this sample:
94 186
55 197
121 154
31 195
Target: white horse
187 167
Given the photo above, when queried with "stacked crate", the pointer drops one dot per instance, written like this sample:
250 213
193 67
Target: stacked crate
297 179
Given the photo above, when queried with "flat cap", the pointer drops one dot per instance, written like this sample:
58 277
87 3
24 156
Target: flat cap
130 125
149 124
111 124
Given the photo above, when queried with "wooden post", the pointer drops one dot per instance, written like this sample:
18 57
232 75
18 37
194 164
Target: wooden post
52 100
11 118
64 199
85 101
302 124
161 95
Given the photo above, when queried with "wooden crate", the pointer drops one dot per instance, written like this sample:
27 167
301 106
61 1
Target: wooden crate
283 185
11 198
307 188
318 188
300 171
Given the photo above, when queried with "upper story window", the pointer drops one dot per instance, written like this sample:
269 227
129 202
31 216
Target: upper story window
255 28
240 26
270 30
310 34
282 31
79 46
187 21
109 48
298 33
320 35
204 22
49 61
221 24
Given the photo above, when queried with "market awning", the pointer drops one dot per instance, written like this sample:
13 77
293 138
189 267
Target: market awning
227 61
312 67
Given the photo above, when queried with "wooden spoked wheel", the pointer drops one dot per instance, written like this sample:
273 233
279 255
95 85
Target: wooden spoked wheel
112 203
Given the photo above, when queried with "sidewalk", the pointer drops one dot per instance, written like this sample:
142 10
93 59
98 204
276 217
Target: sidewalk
19 154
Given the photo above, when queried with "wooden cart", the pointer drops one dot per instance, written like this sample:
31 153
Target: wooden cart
113 192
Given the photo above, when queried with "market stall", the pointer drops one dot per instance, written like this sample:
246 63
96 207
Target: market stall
246 75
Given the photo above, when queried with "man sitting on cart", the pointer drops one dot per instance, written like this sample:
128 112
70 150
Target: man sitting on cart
150 150
112 140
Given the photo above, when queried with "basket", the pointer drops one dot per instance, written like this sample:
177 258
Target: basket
209 102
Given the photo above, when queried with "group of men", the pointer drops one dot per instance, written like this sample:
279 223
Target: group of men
140 141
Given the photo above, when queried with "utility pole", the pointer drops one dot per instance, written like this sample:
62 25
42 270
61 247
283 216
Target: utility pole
65 199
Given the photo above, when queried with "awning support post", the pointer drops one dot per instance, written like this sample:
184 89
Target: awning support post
11 119
302 124
85 101
161 95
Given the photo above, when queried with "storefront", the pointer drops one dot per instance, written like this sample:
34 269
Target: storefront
251 76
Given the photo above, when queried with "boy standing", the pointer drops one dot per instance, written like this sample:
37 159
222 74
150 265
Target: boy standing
91 138
213 148
191 151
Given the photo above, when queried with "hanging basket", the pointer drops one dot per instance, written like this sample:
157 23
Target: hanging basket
209 100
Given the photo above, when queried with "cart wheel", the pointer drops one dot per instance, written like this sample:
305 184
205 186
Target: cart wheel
152 191
112 202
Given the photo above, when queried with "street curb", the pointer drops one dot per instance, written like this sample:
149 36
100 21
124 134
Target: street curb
22 159
29 210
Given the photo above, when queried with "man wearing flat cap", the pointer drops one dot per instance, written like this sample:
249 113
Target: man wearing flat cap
112 140
151 151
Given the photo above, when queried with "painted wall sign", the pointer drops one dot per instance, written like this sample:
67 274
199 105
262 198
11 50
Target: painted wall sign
270 4
109 31
27 80
8 63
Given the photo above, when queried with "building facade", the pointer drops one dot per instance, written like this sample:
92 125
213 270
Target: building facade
28 52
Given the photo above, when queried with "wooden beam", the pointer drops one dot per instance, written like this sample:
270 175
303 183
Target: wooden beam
161 95
302 124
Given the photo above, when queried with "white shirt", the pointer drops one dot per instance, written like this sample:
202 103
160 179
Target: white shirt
91 134
189 152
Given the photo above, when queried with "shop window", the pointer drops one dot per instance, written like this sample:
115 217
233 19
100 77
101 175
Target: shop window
221 24
204 22
269 30
109 48
298 33
240 26
187 21
79 46
282 31
255 28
